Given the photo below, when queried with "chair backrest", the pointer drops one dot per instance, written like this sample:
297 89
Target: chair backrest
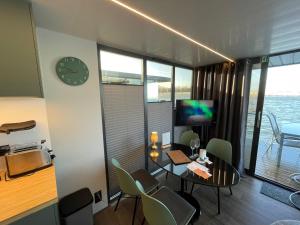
125 180
155 212
187 136
220 148
274 125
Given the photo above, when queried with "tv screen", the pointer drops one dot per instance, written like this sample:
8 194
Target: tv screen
194 112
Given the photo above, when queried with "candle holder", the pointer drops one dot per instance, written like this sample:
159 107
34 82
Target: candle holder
154 153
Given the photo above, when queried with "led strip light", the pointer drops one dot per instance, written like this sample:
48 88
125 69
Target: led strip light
170 29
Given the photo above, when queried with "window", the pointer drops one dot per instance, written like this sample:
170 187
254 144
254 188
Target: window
120 69
159 79
183 83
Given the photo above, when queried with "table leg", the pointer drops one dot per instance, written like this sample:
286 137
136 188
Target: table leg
280 150
219 211
182 185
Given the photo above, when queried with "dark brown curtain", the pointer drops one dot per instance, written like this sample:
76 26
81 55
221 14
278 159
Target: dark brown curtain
227 84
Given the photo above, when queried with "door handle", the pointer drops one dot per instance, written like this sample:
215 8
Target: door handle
258 119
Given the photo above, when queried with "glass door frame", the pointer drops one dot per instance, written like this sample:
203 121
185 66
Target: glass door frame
264 61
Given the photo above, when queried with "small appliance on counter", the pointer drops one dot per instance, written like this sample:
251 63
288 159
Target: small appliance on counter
4 149
27 158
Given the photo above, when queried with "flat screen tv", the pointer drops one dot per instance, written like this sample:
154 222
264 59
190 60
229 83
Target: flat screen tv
195 112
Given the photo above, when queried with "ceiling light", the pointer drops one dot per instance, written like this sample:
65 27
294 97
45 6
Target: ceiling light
170 29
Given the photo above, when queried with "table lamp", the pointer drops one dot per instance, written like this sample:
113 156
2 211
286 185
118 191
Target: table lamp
154 140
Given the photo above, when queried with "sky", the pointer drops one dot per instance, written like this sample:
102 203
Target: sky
115 62
120 63
283 80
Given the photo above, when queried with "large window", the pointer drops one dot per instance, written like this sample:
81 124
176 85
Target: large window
183 83
121 69
159 80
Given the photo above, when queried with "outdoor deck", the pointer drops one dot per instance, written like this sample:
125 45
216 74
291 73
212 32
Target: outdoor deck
266 165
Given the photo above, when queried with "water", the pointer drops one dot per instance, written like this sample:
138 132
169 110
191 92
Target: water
285 108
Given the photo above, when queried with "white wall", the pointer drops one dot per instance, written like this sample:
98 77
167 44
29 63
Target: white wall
74 115
19 109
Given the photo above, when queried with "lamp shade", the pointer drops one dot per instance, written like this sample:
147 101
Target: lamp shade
154 137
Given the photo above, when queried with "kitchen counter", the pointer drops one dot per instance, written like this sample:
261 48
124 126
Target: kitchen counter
26 195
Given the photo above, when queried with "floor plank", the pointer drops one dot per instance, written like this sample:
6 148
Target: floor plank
247 206
266 165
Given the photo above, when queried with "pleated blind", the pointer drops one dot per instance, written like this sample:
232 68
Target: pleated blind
124 128
160 120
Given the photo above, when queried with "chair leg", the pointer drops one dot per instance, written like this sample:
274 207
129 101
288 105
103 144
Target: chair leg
167 175
295 177
219 210
120 196
134 211
143 222
291 199
230 190
270 145
192 188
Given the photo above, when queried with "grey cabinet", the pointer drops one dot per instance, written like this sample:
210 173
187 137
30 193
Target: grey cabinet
46 216
19 71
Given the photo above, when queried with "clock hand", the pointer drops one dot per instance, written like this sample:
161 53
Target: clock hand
72 71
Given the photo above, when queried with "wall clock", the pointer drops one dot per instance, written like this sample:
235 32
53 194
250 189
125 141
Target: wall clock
72 71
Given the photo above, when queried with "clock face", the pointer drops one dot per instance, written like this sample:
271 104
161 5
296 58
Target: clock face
72 71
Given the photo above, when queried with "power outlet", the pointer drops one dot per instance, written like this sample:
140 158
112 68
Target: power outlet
98 196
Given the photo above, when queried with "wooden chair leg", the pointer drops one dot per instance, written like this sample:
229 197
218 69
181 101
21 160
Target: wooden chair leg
120 196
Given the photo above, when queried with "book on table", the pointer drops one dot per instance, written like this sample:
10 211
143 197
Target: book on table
178 157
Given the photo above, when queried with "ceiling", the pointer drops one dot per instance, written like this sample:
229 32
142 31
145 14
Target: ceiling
235 28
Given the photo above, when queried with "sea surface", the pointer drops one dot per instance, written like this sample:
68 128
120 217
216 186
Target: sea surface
285 108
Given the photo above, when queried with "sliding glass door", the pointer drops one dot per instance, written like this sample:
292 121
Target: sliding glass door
256 85
278 155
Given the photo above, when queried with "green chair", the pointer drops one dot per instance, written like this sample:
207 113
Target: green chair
165 207
185 139
187 136
222 149
127 184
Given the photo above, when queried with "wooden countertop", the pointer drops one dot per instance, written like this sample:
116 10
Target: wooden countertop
25 195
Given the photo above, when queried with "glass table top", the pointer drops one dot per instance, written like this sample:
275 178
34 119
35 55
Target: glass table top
223 174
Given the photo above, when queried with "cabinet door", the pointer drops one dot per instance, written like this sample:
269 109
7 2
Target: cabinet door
19 72
47 216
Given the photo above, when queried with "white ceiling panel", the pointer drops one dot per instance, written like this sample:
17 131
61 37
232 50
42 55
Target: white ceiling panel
235 28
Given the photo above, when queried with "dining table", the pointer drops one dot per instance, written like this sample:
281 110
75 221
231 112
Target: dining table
222 173
288 131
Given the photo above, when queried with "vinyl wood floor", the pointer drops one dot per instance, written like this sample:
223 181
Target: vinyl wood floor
246 207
